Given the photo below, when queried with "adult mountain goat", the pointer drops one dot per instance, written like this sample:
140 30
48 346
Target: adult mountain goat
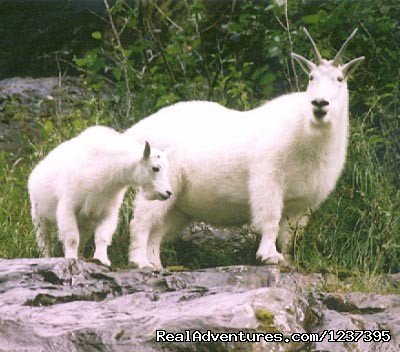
80 186
265 166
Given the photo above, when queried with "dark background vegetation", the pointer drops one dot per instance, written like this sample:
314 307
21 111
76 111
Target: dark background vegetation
35 33
144 55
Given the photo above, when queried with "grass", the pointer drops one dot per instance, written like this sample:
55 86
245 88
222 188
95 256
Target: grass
359 282
16 234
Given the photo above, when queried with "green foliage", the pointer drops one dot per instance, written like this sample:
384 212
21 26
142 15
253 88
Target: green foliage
237 53
16 238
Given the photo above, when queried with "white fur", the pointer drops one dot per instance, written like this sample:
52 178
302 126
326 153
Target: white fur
267 166
80 186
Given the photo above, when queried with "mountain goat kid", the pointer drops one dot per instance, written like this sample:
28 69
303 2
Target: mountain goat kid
80 186
267 166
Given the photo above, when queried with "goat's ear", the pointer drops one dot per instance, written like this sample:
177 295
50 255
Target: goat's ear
350 67
146 152
305 64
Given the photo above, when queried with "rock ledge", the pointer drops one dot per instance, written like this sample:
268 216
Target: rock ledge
68 305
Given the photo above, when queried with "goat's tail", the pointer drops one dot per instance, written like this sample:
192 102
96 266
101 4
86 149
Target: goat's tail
35 218
39 227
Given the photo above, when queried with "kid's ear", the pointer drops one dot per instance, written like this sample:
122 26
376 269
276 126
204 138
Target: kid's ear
147 150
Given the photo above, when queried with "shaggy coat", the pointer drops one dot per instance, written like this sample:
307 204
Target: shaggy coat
80 186
269 166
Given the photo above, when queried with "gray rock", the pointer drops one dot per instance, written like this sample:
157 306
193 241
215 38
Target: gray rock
22 100
34 91
70 305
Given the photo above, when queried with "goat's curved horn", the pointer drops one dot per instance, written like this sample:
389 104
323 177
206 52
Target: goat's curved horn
336 61
316 51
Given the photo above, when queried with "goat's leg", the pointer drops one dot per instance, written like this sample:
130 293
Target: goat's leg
174 221
103 236
85 232
266 212
43 237
68 229
148 215
288 226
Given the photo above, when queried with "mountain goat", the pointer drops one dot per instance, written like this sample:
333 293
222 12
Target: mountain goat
265 166
80 186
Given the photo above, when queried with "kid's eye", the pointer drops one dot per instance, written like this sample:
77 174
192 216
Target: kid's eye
340 79
311 77
156 169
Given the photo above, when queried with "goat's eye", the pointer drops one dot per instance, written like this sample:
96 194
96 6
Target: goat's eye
340 79
155 169
311 77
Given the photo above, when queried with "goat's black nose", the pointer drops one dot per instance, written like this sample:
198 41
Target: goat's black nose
169 193
319 103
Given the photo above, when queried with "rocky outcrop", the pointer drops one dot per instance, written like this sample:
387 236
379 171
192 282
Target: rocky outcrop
67 305
23 100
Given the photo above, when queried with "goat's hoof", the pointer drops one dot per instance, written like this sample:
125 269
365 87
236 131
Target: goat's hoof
275 259
98 262
156 267
103 260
